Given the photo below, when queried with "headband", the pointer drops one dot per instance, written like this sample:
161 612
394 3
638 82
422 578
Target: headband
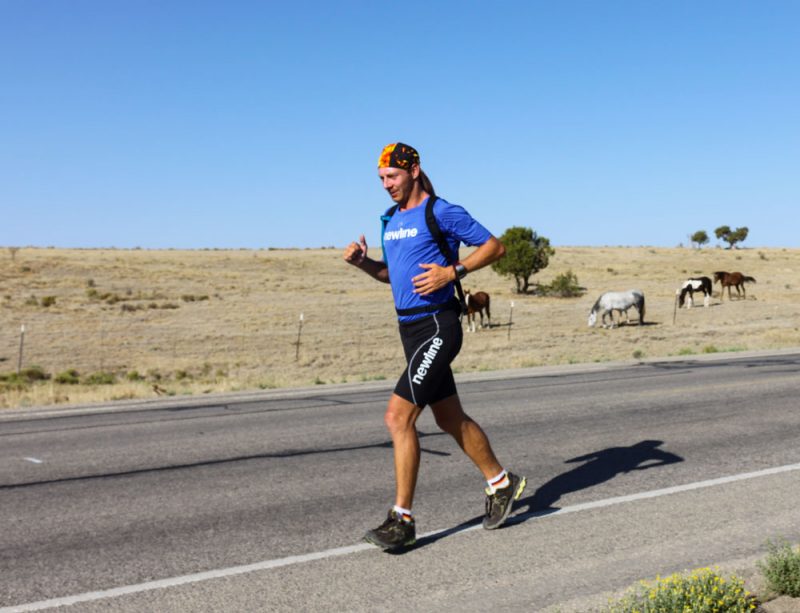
398 155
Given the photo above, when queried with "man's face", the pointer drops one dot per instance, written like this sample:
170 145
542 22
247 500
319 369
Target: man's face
398 182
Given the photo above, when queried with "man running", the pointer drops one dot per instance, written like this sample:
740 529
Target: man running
422 281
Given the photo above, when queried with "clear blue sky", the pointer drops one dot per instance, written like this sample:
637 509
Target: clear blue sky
194 124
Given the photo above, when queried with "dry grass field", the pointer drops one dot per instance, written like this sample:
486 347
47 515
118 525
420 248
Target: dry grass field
191 322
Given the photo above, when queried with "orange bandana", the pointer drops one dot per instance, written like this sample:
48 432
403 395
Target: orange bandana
398 155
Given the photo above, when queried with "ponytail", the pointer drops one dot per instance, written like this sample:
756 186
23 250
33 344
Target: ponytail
425 183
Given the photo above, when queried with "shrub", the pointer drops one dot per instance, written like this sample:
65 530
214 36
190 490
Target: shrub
100 378
781 569
48 301
701 591
134 376
34 373
68 377
564 285
12 381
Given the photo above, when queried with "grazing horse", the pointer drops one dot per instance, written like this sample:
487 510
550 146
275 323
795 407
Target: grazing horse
617 301
686 291
732 279
477 303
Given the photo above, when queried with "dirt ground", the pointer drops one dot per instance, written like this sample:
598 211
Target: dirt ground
188 322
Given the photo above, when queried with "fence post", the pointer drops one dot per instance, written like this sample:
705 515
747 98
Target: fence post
510 319
299 331
21 347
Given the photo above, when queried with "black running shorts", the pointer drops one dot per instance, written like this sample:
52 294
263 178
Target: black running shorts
430 344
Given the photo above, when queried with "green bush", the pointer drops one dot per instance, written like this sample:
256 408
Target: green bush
48 301
12 381
701 591
134 376
781 569
34 373
100 378
68 377
564 285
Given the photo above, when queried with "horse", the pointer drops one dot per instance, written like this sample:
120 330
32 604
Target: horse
732 279
617 301
477 303
692 285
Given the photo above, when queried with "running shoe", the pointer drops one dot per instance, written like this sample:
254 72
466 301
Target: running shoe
498 505
394 533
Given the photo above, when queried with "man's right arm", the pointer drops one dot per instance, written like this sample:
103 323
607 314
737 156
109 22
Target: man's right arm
356 254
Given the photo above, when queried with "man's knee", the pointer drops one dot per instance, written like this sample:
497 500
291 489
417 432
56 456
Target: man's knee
400 415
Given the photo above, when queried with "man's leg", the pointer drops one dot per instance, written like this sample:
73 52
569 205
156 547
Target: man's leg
399 530
503 487
451 418
401 418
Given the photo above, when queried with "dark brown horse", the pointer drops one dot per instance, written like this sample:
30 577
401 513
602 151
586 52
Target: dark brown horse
477 303
732 279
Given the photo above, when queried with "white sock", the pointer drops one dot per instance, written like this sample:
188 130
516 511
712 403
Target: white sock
404 514
498 482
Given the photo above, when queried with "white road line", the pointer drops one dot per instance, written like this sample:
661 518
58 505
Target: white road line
34 460
340 551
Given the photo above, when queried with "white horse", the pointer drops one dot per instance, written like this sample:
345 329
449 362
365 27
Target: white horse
617 301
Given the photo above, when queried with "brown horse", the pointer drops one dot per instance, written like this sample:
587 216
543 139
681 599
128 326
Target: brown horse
477 303
732 279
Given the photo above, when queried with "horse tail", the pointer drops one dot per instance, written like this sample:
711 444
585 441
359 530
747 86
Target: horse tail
749 279
707 285
640 307
488 301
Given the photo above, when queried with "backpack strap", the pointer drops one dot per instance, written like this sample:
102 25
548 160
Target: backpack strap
441 241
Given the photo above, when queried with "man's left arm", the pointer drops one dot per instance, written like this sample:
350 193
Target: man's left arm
436 277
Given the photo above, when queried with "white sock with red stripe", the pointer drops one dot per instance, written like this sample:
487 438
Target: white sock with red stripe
498 482
404 514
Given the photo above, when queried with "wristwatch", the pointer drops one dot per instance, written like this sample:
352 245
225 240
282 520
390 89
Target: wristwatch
461 270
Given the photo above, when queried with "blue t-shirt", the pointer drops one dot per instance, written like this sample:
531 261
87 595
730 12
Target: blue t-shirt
407 243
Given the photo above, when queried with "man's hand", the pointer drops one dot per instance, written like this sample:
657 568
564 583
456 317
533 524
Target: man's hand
435 277
356 252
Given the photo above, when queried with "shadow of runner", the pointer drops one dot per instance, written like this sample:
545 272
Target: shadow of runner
600 466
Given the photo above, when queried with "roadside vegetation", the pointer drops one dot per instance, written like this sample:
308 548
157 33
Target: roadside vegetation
706 590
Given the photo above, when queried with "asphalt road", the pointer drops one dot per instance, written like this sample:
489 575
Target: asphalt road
633 470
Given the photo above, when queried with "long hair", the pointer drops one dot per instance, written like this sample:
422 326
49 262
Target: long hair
425 183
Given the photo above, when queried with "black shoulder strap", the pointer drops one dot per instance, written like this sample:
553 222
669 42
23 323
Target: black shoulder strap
441 241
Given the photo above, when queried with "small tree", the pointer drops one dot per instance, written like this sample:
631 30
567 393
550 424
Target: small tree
699 238
526 254
731 236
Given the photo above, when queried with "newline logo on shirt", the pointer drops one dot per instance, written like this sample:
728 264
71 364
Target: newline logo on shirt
391 235
427 360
